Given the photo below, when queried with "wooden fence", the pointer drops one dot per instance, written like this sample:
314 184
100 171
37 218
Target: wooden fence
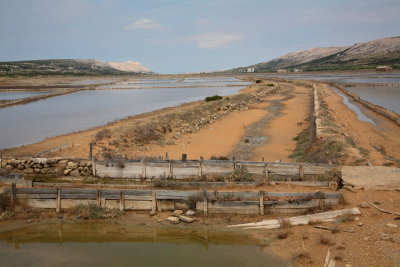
196 169
251 202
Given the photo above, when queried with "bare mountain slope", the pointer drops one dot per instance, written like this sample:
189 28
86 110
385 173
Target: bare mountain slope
361 55
71 67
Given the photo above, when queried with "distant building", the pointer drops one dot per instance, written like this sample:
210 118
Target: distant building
298 70
384 68
250 69
281 70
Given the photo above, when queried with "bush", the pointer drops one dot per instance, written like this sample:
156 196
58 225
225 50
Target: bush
146 133
213 98
102 134
271 84
258 81
219 158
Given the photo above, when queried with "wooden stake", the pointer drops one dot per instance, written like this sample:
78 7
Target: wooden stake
13 193
98 198
266 173
205 202
301 172
261 202
121 201
58 207
153 202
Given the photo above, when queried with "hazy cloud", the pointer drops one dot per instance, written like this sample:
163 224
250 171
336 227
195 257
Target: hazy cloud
213 39
144 24
202 21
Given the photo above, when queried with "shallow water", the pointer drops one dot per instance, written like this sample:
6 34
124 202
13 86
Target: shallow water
25 124
8 95
387 97
106 244
350 104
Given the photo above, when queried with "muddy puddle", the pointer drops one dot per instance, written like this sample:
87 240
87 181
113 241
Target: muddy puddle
110 244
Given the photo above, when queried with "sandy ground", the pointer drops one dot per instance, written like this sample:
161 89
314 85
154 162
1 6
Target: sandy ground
281 131
386 134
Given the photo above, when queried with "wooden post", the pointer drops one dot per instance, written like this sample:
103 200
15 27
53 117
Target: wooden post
171 171
58 207
144 170
94 166
153 202
13 193
266 173
90 151
205 202
166 156
301 172
201 168
98 198
121 200
261 202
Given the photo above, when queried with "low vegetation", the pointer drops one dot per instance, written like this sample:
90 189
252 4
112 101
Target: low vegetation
213 98
94 212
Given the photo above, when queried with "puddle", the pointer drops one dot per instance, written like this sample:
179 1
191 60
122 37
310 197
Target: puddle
350 104
108 244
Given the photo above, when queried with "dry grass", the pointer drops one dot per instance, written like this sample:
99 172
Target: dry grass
283 234
323 240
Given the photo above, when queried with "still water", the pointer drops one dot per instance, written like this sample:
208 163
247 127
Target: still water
350 104
25 124
386 96
8 95
106 244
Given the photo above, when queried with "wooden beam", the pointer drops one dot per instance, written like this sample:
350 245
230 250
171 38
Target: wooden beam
298 220
58 206
205 202
153 202
261 202
98 198
13 193
121 201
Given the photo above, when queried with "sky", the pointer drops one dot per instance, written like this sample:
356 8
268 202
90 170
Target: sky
171 36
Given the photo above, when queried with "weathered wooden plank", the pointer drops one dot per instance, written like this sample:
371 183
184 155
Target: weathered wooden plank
305 219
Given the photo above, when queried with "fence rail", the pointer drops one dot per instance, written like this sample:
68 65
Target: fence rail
249 202
203 168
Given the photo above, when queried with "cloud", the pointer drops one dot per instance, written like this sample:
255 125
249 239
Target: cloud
202 21
144 24
213 39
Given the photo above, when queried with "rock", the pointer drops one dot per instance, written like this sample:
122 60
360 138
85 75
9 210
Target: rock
364 205
37 170
190 213
29 170
173 220
74 173
391 225
64 161
9 167
21 167
360 224
386 237
177 212
185 219
67 171
367 238
80 168
72 165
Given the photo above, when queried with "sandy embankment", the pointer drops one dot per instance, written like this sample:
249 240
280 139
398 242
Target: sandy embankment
381 140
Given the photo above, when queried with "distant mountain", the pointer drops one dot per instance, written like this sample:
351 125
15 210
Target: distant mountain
71 67
385 51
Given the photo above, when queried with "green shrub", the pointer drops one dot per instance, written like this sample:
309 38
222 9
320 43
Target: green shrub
213 98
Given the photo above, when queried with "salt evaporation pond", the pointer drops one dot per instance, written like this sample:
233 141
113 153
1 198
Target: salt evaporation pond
13 95
25 124
385 96
105 244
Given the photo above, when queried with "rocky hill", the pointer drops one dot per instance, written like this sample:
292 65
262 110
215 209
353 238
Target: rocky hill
385 51
71 67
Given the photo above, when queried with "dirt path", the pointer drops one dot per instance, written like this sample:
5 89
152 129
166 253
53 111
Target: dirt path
380 143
